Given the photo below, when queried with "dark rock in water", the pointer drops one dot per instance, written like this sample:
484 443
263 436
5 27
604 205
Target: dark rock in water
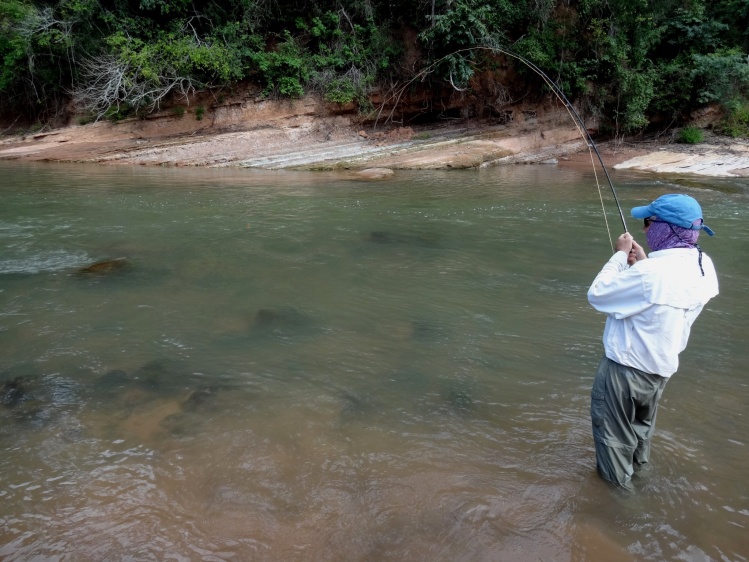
282 320
355 405
460 401
106 267
13 392
151 375
381 237
154 382
190 419
113 380
267 317
32 411
200 399
24 399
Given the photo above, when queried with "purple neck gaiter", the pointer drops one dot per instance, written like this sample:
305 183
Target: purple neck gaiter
662 236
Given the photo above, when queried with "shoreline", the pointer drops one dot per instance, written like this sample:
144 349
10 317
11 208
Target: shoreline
302 135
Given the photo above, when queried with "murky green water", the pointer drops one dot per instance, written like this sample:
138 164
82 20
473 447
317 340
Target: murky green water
291 366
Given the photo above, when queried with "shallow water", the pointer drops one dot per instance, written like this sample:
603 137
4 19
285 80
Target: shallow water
293 366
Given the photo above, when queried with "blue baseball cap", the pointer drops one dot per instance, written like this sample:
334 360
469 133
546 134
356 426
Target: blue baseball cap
677 209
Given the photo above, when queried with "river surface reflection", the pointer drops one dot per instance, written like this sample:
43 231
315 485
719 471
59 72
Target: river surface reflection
293 366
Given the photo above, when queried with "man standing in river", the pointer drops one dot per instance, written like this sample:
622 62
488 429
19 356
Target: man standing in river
650 303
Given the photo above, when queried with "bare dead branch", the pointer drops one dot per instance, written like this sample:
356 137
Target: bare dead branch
11 126
109 82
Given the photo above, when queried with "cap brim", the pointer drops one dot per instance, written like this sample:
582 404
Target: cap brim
642 212
708 230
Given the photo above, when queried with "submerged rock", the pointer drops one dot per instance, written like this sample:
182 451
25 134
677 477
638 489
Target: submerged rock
13 392
460 401
355 405
281 320
374 173
146 422
38 400
152 374
382 237
106 267
113 380
153 380
191 415
268 317
152 402
201 399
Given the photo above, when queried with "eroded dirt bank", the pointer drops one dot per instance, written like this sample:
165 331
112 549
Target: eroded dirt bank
309 134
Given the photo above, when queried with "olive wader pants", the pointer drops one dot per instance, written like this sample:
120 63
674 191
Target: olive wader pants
623 405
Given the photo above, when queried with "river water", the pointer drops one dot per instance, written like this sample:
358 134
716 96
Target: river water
294 366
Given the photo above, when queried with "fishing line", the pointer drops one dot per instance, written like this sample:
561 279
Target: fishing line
579 123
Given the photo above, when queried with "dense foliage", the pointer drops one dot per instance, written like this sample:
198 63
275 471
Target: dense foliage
633 63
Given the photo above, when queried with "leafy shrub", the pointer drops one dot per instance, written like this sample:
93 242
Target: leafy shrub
346 57
115 113
721 76
736 123
284 69
463 25
691 135
341 90
636 91
199 111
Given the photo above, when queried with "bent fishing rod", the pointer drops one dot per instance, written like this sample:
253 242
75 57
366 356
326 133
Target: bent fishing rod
579 123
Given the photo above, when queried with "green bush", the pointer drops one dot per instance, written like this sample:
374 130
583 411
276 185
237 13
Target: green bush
721 76
340 90
621 61
116 112
691 135
284 69
199 111
465 24
346 56
736 123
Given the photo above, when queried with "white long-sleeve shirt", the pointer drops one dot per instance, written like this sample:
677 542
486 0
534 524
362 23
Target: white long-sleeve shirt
651 306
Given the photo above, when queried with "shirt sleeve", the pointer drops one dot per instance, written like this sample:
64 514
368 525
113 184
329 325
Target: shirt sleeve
618 289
